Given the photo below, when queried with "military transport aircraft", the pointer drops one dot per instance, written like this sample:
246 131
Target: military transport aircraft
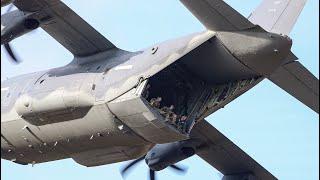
109 105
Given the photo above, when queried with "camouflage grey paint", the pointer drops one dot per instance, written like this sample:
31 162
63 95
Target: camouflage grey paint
65 112
30 105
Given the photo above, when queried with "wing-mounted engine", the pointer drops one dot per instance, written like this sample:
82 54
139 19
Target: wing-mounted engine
164 155
17 23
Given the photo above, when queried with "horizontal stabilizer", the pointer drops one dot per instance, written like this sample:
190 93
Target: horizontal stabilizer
278 16
295 79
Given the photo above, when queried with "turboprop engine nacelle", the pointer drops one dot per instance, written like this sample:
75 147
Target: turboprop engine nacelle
15 24
164 155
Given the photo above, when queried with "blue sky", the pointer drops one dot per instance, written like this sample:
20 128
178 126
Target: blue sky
271 126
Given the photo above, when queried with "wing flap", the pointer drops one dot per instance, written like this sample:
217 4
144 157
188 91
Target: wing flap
68 28
217 15
224 155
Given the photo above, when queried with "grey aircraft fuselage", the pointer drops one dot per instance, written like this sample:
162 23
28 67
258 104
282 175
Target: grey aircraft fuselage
96 111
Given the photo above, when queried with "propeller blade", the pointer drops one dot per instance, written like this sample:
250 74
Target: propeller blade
178 168
11 53
152 174
130 165
8 47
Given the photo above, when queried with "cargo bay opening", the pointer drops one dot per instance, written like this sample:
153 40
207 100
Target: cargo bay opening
178 95
164 107
182 98
204 79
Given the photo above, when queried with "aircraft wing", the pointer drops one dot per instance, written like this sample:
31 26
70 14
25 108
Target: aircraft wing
224 155
217 15
64 25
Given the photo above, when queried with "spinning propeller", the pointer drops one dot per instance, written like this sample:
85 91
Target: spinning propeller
7 46
15 25
152 173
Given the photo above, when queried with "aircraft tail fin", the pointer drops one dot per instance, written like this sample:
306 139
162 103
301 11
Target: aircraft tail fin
278 16
296 80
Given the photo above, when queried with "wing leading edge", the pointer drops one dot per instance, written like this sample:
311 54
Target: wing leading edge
68 28
225 156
